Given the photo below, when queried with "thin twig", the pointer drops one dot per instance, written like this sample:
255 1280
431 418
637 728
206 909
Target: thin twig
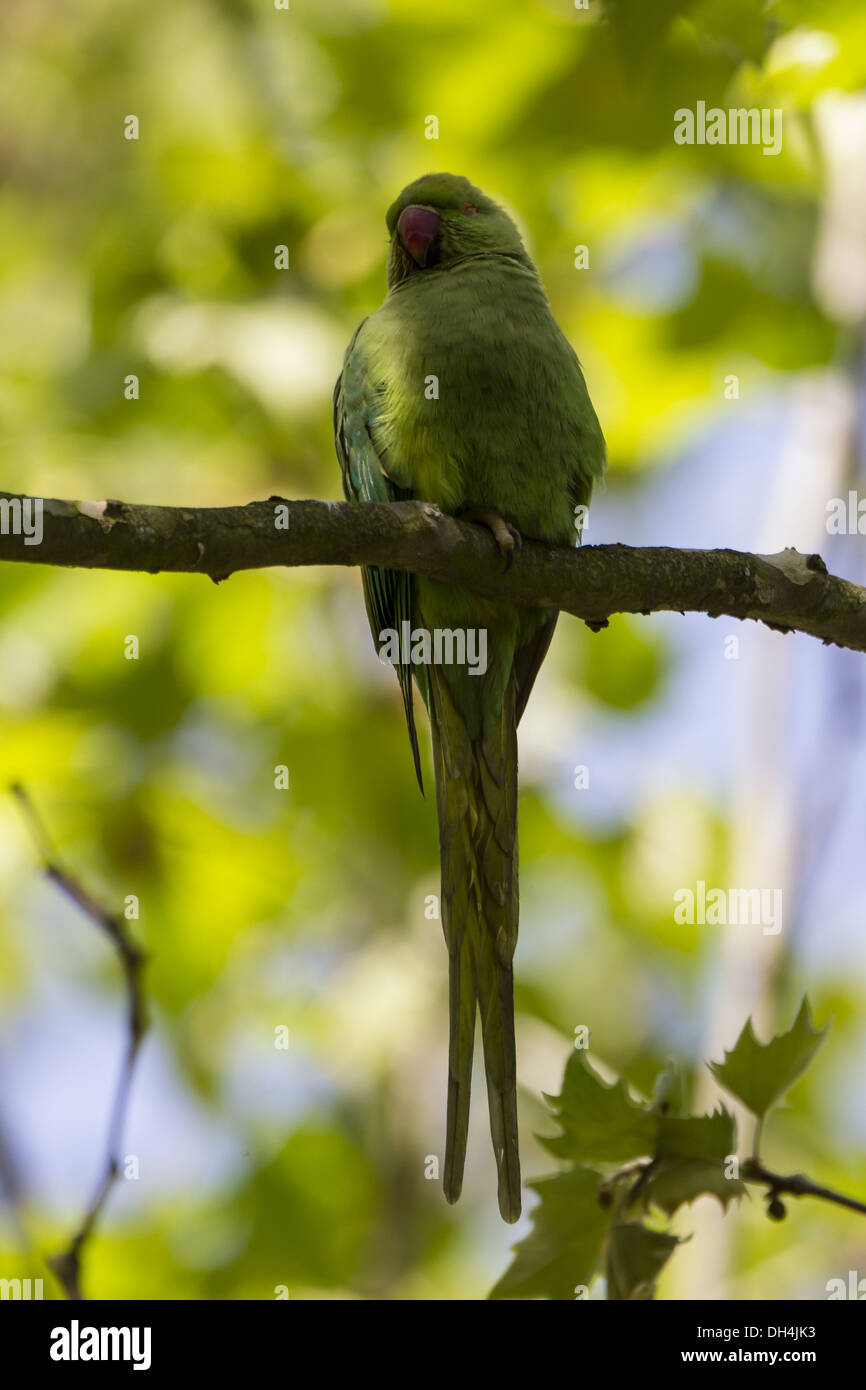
67 1264
795 1185
751 1170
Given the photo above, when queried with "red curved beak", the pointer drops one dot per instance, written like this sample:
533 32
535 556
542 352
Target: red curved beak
418 229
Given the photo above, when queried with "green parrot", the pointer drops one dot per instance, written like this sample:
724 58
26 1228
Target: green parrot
461 390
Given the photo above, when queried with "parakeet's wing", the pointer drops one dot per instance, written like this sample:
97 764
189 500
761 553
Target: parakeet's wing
527 663
589 463
388 594
590 451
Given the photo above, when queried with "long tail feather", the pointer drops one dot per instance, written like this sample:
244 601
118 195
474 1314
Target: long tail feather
464 1000
476 797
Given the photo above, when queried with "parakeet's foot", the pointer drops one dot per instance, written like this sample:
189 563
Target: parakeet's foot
506 536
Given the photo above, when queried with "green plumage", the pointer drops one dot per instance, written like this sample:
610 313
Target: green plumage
461 390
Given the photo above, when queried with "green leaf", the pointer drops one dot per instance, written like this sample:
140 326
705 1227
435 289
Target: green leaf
563 1249
759 1073
697 1136
634 1257
676 1181
692 1161
600 1123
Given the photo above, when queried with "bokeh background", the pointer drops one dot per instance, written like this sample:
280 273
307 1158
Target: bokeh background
739 762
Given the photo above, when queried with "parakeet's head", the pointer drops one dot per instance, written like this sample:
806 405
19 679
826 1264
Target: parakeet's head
442 219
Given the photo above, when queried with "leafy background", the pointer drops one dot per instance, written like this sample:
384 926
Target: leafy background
306 909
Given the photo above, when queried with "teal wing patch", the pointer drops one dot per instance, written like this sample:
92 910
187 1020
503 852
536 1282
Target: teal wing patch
389 594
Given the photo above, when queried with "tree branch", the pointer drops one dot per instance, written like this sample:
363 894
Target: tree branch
67 1264
788 591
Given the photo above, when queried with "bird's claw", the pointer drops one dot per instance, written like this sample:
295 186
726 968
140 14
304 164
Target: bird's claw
506 536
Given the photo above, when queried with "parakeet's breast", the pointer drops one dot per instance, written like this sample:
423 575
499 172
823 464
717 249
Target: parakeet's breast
480 399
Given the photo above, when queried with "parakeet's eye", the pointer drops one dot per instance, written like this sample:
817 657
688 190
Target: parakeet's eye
469 209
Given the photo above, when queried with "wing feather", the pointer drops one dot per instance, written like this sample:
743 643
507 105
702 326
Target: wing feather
389 595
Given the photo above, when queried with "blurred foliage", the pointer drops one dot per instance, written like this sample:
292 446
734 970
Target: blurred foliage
648 1158
309 908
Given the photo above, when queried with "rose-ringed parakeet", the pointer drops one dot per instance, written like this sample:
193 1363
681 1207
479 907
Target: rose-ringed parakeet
461 390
